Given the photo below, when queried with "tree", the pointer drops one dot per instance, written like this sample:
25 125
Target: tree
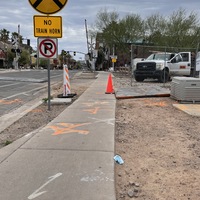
177 30
10 58
104 23
24 58
133 26
182 30
111 34
65 57
4 35
100 58
44 63
155 28
119 32
105 18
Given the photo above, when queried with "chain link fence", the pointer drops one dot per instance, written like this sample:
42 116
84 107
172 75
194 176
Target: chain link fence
140 52
143 51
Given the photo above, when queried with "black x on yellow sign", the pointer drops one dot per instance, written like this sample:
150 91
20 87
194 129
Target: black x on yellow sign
48 6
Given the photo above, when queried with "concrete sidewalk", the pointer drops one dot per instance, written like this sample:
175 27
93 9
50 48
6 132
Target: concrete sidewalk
69 159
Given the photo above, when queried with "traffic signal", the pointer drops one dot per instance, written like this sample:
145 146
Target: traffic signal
90 55
19 50
16 50
64 53
28 42
74 53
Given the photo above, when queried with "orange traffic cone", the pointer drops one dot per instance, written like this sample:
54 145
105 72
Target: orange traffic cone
110 89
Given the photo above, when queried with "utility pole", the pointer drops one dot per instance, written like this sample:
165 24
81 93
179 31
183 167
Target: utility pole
132 63
17 53
87 35
113 64
92 55
87 44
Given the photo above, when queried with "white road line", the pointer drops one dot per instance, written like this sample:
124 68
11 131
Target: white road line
24 93
9 85
56 76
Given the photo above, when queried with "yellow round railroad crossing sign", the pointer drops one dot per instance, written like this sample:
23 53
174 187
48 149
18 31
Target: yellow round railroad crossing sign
48 6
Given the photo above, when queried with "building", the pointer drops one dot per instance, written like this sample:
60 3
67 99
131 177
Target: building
3 54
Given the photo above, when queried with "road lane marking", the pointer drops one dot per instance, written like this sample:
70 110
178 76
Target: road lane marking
54 76
2 86
25 93
37 193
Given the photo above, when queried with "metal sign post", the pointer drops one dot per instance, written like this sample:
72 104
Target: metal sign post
48 26
48 49
49 86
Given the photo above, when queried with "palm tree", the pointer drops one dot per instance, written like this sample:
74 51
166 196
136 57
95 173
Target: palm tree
4 35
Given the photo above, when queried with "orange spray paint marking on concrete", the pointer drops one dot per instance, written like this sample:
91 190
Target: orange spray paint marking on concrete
65 128
95 103
92 111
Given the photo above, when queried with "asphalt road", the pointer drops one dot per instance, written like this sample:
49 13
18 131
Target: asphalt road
19 87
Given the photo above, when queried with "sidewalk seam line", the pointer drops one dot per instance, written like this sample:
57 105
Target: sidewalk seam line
64 150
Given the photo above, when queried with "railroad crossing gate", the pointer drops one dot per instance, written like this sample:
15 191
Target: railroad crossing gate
48 7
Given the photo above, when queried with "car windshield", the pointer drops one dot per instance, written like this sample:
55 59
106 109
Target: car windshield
159 56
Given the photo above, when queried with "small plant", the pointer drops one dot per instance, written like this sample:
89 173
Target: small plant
46 99
7 142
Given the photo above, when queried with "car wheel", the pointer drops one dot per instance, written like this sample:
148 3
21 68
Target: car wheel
139 78
164 77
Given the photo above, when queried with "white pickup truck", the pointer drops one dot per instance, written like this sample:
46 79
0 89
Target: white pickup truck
163 65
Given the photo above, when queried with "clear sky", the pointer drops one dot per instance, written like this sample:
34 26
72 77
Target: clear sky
20 12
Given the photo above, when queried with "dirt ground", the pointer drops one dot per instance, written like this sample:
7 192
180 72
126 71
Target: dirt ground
159 144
